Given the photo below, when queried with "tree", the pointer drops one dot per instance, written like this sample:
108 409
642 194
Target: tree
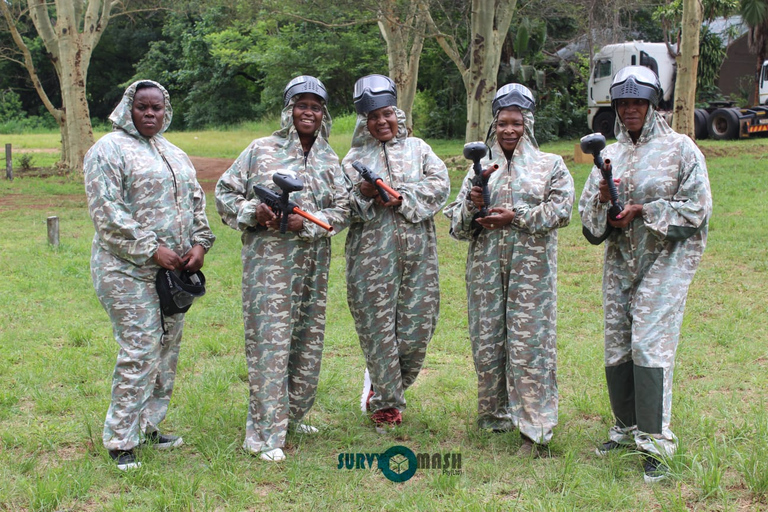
403 31
755 15
489 23
70 29
687 69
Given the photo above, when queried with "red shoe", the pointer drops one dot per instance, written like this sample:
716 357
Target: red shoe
389 417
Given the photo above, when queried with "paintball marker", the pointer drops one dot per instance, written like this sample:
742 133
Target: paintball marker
475 151
594 143
281 206
371 177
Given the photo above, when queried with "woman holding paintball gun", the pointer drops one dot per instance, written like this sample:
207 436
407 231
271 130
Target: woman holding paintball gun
512 272
285 274
653 248
391 250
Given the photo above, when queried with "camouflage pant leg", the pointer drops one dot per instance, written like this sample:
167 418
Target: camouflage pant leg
656 314
134 310
157 406
308 335
284 297
417 313
532 340
486 299
374 280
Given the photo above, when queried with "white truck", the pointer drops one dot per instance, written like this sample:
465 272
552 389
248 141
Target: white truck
718 120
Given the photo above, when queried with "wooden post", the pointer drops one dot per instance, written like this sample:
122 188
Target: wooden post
53 231
8 163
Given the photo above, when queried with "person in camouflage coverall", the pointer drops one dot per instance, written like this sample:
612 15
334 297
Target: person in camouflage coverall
511 273
391 251
149 212
285 276
651 254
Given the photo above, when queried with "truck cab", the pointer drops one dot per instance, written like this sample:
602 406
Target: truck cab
609 60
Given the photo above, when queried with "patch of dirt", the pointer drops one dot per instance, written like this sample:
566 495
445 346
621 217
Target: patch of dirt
209 170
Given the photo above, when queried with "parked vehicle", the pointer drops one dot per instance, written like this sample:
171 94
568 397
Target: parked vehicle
718 121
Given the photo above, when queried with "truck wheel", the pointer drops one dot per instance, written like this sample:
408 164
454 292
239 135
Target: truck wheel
604 122
723 124
700 123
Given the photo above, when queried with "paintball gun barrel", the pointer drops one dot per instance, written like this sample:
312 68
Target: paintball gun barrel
374 179
281 205
594 144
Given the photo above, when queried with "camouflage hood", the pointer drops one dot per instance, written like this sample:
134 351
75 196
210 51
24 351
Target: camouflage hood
288 130
362 136
526 144
654 125
121 117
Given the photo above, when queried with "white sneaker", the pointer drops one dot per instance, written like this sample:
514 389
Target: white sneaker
274 455
366 391
303 428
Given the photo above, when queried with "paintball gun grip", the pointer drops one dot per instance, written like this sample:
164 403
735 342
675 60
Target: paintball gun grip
616 206
371 177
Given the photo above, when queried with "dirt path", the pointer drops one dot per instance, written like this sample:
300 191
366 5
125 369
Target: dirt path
209 170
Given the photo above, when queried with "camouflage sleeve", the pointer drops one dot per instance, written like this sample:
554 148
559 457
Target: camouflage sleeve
360 207
423 199
201 231
337 214
461 211
684 214
113 220
594 214
554 211
235 209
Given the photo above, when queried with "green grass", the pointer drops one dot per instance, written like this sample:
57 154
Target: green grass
57 354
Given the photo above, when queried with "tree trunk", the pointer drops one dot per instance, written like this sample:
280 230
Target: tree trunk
687 69
69 30
489 26
405 40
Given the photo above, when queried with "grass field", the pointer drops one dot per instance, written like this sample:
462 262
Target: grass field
57 354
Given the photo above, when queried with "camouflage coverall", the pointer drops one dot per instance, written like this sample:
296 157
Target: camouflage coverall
648 268
392 275
512 286
142 193
285 276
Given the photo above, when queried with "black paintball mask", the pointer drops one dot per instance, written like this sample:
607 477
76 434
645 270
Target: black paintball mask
304 84
178 289
636 82
373 92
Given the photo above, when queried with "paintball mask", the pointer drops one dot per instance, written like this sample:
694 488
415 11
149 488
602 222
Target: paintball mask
636 82
373 92
178 289
513 95
304 84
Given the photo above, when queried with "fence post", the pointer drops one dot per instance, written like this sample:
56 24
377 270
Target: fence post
8 163
53 231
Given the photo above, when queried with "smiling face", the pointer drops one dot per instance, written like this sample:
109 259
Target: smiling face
307 115
148 111
632 112
382 123
509 129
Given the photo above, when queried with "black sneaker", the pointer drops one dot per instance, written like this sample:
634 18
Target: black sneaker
654 469
161 441
125 459
609 446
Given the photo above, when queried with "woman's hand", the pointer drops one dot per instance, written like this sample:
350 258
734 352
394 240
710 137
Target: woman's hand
476 196
627 215
295 223
264 214
605 192
497 218
194 258
166 258
368 190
